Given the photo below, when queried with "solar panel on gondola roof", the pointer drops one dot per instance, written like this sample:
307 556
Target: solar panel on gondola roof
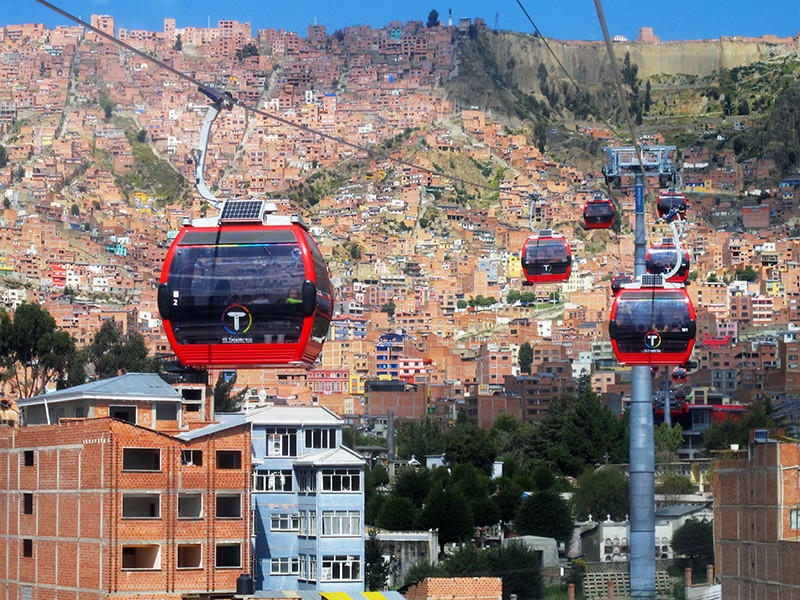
242 210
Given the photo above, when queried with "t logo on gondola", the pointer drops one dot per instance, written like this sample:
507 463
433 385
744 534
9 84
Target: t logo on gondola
546 268
240 316
652 340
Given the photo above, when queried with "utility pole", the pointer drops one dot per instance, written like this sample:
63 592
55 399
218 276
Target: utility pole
652 160
642 453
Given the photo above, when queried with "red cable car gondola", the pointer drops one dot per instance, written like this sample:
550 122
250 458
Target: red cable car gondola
618 281
247 290
661 260
652 325
671 200
546 258
598 213
679 375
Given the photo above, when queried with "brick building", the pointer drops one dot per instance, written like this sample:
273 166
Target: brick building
757 520
104 509
457 588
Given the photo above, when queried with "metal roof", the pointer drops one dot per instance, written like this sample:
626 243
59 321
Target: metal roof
143 387
293 415
335 457
225 422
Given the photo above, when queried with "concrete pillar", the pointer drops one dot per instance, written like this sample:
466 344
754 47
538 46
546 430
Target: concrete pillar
687 573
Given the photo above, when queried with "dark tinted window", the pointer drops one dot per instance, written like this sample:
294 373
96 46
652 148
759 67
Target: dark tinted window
320 268
546 256
642 313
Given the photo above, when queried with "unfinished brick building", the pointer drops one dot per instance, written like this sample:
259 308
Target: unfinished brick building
104 509
757 521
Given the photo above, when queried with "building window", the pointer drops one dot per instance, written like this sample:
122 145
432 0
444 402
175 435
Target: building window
284 566
229 459
320 438
190 506
341 522
341 480
141 557
166 411
27 504
123 413
141 459
191 458
141 506
794 519
27 458
341 568
27 548
281 441
228 556
285 522
308 567
229 506
190 556
272 481
307 480
308 523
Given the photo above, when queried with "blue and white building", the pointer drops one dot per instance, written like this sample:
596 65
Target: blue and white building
308 502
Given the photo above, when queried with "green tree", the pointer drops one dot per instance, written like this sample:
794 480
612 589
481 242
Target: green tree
695 539
178 45
397 513
423 570
433 19
447 510
141 136
518 566
389 308
648 100
376 570
419 438
414 484
601 492
112 355
667 440
721 435
513 296
544 513
525 357
225 401
744 107
380 476
75 210
540 135
3 157
508 499
468 561
727 104
577 431
461 303
485 511
33 351
673 485
746 274
465 442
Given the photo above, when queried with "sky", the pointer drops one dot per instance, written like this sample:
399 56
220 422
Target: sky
562 19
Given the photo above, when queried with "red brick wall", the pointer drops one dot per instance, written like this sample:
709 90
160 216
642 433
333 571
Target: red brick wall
457 588
77 527
755 554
